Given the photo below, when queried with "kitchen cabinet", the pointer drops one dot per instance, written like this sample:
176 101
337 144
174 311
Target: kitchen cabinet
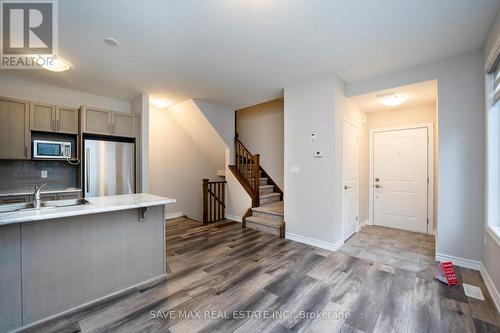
122 124
14 129
10 277
98 121
52 118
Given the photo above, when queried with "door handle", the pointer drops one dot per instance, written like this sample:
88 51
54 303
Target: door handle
87 171
347 187
378 186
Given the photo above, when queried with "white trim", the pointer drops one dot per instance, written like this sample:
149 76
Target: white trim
494 234
343 173
430 166
462 262
314 242
234 218
491 286
361 225
174 215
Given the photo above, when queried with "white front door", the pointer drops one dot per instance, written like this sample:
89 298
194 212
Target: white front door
350 175
400 179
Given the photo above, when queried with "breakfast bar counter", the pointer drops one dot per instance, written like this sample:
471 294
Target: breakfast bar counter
57 259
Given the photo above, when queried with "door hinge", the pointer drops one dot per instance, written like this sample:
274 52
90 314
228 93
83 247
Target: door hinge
427 180
427 221
356 218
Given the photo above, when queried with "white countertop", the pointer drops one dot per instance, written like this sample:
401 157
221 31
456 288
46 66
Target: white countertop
29 191
96 205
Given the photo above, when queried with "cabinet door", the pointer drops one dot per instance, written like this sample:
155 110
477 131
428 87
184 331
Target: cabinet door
42 117
96 121
66 120
10 277
123 124
14 129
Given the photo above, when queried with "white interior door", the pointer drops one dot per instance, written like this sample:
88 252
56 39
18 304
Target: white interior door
350 174
400 172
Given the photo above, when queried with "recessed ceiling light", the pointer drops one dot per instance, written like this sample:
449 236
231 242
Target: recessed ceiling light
111 41
160 103
393 99
58 64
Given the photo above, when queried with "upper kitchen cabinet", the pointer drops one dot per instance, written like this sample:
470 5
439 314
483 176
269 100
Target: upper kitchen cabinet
51 118
98 121
14 129
66 120
122 124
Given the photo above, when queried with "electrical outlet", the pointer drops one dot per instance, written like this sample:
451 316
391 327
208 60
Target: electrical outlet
44 174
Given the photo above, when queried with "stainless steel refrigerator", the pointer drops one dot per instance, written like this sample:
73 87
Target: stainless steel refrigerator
108 168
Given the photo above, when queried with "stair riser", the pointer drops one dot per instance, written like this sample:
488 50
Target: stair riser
268 216
263 228
269 200
263 182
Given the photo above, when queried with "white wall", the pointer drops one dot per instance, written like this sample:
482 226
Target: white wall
397 118
37 92
491 251
140 109
176 164
310 196
461 146
197 126
260 129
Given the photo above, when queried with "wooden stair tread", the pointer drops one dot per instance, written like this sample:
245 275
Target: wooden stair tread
274 208
269 195
264 221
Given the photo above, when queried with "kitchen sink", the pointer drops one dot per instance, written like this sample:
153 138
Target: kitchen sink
64 203
24 206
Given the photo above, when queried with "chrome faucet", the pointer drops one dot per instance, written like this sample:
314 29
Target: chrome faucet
36 196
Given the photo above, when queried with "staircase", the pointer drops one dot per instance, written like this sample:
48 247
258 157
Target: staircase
266 213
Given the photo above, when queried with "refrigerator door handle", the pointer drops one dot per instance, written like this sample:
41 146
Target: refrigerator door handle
87 168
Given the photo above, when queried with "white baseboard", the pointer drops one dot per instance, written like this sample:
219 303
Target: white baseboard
491 286
466 263
233 218
361 225
314 242
174 215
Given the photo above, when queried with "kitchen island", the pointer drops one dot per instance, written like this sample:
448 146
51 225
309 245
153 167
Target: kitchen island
57 259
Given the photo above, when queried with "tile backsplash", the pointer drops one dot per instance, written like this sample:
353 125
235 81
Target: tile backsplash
25 174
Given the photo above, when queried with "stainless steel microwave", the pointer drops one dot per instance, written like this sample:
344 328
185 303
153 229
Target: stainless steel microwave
59 150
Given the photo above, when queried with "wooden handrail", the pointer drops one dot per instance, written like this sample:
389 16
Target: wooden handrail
248 166
214 200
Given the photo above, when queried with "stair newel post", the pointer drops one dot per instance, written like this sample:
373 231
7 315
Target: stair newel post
205 201
256 177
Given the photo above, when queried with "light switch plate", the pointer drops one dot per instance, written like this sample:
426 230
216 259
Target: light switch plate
44 174
294 169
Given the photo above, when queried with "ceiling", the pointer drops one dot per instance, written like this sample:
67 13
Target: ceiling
418 94
242 52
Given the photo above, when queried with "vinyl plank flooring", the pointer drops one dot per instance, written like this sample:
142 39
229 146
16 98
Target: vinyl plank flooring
224 278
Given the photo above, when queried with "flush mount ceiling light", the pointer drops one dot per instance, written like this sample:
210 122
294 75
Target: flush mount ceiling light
393 99
58 64
160 103
111 41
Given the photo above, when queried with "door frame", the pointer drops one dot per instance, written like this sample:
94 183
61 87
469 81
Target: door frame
430 171
357 179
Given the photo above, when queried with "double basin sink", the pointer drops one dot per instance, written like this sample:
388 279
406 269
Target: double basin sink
27 206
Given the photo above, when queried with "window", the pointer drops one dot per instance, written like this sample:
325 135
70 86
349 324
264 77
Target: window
493 152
